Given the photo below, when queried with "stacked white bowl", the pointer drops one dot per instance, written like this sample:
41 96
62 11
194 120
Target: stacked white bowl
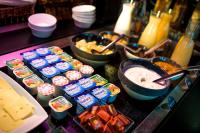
42 24
84 15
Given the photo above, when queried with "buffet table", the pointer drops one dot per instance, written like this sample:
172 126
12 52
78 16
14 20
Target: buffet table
148 116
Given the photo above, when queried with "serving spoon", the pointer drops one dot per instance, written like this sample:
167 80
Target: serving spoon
155 47
177 74
107 46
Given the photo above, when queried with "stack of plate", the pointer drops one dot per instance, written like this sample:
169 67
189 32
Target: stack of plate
84 15
42 24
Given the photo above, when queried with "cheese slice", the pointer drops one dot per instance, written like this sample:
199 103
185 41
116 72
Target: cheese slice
19 109
7 124
4 84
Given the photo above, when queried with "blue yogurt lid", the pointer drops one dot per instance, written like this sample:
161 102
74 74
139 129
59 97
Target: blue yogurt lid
101 93
39 63
50 72
43 51
86 83
51 59
63 66
30 55
86 100
73 90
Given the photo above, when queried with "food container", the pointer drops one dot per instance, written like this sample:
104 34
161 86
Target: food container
76 63
86 70
38 64
86 83
100 81
140 54
56 50
29 56
22 72
90 58
59 82
102 94
137 91
43 51
85 101
31 83
59 107
167 65
104 119
114 92
45 93
52 59
14 64
73 75
65 57
63 66
72 90
49 72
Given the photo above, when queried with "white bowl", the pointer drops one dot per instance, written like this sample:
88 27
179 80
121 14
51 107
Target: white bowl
82 25
84 9
42 33
84 16
83 20
42 21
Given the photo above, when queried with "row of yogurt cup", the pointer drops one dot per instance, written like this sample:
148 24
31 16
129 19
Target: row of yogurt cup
44 95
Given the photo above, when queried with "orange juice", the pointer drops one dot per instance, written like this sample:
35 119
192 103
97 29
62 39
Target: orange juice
164 26
183 51
149 35
162 5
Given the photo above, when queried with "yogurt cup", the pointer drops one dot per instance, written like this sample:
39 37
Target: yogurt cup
14 64
38 64
43 51
29 56
56 50
52 59
59 107
59 82
22 72
99 80
86 70
73 75
49 72
86 83
31 83
45 93
84 102
63 66
102 94
65 57
114 91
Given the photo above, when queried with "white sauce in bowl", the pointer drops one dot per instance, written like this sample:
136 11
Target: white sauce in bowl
143 77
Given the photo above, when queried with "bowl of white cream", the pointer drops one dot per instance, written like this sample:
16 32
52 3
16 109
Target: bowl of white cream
137 76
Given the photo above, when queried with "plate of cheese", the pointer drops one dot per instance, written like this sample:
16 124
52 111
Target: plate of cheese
19 111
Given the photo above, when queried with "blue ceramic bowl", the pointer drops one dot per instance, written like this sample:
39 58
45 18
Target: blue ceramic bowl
136 91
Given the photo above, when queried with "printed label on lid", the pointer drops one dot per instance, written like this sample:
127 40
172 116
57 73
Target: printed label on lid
60 80
60 104
49 71
42 51
38 63
63 65
100 93
73 89
86 100
52 58
29 55
86 83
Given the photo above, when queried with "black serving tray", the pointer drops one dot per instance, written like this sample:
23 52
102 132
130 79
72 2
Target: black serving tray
146 114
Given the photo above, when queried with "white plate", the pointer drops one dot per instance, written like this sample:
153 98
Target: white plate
39 114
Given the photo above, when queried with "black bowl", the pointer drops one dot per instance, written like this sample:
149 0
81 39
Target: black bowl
135 90
92 37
